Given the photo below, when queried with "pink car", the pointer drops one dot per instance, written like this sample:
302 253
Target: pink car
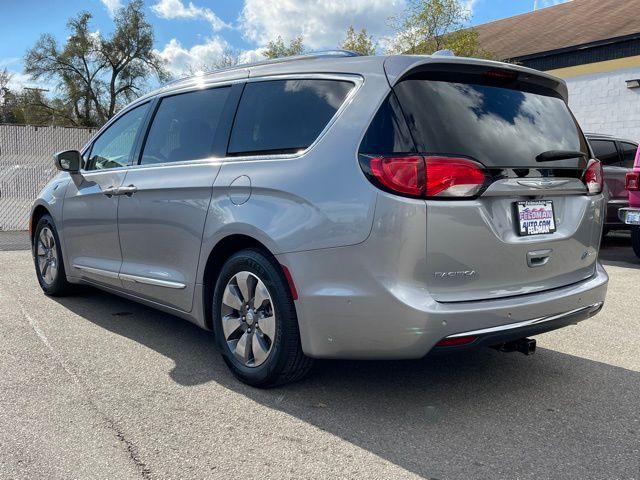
631 215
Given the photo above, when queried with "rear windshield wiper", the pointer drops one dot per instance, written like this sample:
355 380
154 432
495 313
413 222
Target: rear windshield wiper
551 155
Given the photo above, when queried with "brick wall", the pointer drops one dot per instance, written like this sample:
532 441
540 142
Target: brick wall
602 103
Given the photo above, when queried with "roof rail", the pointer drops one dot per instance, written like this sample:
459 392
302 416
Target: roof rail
294 58
338 52
593 134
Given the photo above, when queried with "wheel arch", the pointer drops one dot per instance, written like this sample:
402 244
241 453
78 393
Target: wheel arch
220 252
37 213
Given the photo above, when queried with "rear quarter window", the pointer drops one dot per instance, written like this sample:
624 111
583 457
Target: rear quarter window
284 116
388 132
606 152
628 154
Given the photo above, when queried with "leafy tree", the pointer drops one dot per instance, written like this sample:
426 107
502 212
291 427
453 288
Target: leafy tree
5 78
276 48
230 58
7 97
427 26
98 75
358 42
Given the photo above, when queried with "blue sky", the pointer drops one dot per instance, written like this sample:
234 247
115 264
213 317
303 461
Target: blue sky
196 32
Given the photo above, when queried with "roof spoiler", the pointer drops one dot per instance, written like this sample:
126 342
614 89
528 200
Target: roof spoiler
398 67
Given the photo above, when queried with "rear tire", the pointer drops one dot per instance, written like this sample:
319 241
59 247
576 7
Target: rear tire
255 321
47 255
635 240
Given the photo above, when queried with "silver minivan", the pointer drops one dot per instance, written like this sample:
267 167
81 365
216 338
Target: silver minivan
337 206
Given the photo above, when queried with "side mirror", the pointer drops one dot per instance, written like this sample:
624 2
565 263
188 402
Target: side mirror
68 161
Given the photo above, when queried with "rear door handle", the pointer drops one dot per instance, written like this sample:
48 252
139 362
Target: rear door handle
128 190
110 191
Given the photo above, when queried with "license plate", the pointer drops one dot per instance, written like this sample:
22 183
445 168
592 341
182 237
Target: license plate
535 217
633 218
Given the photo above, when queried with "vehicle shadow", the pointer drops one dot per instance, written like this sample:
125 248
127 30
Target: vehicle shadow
616 250
499 415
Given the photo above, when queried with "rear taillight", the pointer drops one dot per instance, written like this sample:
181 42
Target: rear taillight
404 175
632 181
453 177
593 178
426 177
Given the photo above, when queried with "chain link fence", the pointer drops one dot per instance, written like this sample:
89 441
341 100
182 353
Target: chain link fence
26 165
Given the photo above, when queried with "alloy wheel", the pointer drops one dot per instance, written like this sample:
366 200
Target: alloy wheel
248 319
47 256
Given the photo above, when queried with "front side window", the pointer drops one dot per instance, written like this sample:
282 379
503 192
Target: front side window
606 152
184 126
284 116
628 154
114 147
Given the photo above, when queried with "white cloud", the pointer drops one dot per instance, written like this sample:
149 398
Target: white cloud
5 62
181 60
250 56
112 5
20 80
323 23
170 9
468 6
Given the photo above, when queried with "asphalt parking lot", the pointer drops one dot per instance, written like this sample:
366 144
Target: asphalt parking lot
94 386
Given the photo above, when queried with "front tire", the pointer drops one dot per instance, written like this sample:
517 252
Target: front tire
255 322
635 240
47 255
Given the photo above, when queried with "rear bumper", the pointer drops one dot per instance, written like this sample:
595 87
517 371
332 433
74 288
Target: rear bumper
613 219
514 331
348 312
373 300
630 216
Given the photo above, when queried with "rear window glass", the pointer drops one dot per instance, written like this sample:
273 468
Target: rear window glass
628 154
284 116
605 151
495 125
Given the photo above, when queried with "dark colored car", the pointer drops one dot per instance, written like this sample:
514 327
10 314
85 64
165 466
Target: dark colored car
617 156
631 215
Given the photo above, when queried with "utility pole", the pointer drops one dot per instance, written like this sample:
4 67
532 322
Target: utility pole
535 5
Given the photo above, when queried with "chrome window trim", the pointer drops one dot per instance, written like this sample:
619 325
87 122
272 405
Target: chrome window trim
215 161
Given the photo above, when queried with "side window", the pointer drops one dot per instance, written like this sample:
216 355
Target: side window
184 126
284 116
388 131
606 152
114 147
628 154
